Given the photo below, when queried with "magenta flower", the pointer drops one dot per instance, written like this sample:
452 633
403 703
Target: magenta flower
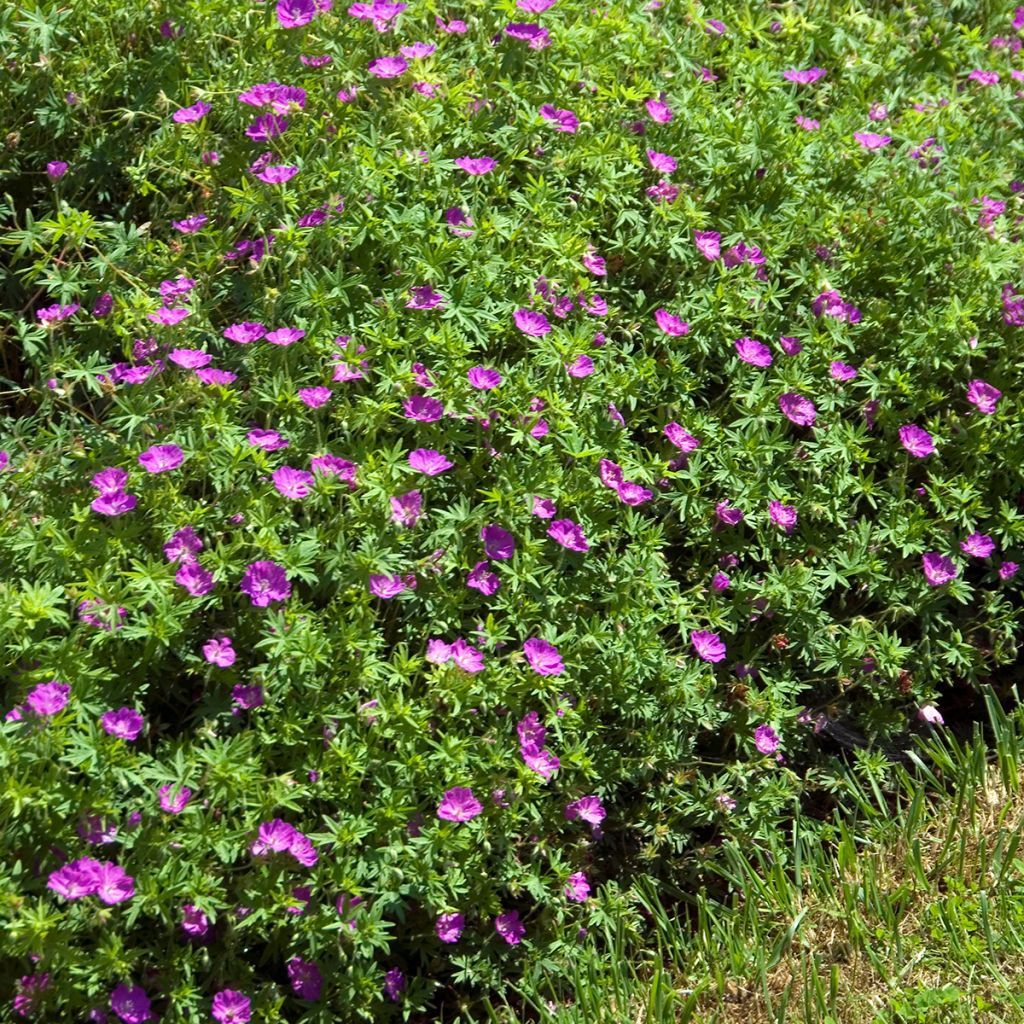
285 336
727 515
190 358
581 366
274 836
765 739
229 1006
161 457
662 162
588 809
424 297
509 927
57 312
29 993
476 165
466 656
332 465
916 440
805 77
984 396
387 67
684 441
481 578
76 880
191 224
577 888
428 461
131 1004
386 587
790 346
114 503
184 545
568 534
110 480
499 544
169 317
753 352
124 723
394 984
187 115
531 323
980 545
294 14
659 111
543 762
56 169
113 886
459 804
218 651
422 408
708 242
709 646
483 379
543 657
268 440
538 38
194 578
809 124
293 483
671 324
1007 570
842 371
782 515
459 222
797 409
984 77
265 582
173 799
417 50
277 174
872 140
194 923
449 927
247 697
930 713
48 698
313 398
938 569
407 509
245 333
632 493
543 508
561 120
305 978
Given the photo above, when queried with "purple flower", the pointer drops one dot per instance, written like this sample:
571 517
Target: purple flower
293 483
277 174
265 582
538 38
577 888
499 544
568 534
422 408
305 978
659 111
244 333
131 1004
588 809
113 886
930 713
247 697
124 723
782 515
218 651
938 569
543 762
670 323
1007 570
984 396
916 440
428 461
543 657
509 927
285 336
229 1006
294 14
684 441
56 312
980 545
765 739
561 120
455 219
407 509
173 799
184 545
313 398
331 465
805 77
161 457
48 698
797 409
481 578
726 515
268 440
114 503
790 346
809 124
190 224
187 115
708 242
387 67
581 366
75 880
476 165
194 923
424 297
189 358
386 587
56 169
664 164
709 646
842 371
466 656
872 140
483 379
532 323
543 508
194 578
449 927
29 994
169 316
459 804
984 77
753 352
394 983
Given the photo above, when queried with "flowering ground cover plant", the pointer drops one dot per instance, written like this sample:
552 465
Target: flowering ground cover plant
456 462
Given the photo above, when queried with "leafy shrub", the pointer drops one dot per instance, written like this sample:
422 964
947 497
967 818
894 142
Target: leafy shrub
438 485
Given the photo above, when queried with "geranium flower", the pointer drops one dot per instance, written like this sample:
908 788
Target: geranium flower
481 578
561 120
407 509
313 398
246 697
498 543
386 587
658 111
842 371
588 809
125 723
916 440
428 461
984 396
188 115
268 440
387 67
194 578
47 699
532 323
577 888
293 483
683 440
169 317
466 656
285 336
244 333
753 352
174 799
114 503
709 646
782 515
449 927
938 569
265 582
424 297
797 409
670 323
581 366
161 457
804 77
422 408
568 534
790 346
980 545
765 739
131 1004
229 1006
543 508
218 651
459 804
872 140
277 174
543 657
476 165
305 978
